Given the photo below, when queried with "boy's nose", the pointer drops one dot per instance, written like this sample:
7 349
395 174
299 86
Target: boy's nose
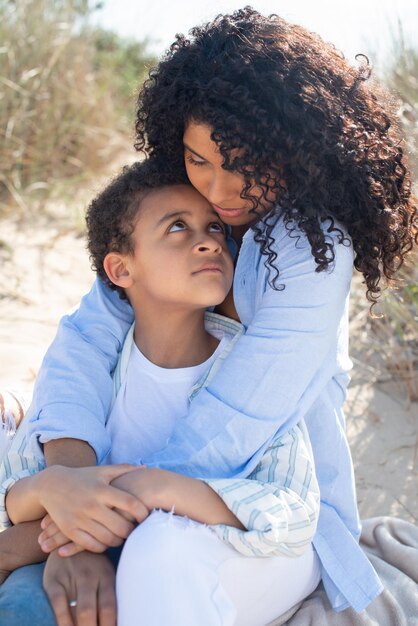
208 244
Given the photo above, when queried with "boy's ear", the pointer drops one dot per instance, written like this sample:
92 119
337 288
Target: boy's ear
117 271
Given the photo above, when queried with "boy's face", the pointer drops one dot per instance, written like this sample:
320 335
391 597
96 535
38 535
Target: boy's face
180 255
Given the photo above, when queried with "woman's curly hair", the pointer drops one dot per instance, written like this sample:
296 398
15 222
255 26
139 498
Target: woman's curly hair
296 111
111 217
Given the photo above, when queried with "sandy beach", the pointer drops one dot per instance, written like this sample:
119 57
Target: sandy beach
45 271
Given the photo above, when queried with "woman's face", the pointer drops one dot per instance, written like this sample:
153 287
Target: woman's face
220 187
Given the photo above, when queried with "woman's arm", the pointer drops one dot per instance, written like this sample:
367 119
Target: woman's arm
160 489
157 489
295 344
74 387
272 512
66 494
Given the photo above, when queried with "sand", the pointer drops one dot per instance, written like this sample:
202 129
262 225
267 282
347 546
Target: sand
45 271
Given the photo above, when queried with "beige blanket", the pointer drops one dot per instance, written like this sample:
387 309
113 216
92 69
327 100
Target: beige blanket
392 546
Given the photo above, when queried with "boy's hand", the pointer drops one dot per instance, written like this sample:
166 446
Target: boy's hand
82 504
88 579
51 538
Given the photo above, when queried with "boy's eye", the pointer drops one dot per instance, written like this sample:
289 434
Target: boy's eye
216 227
176 226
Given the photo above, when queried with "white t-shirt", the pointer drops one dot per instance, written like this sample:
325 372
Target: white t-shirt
150 400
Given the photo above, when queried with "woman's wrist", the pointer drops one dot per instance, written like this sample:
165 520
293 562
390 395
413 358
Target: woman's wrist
24 499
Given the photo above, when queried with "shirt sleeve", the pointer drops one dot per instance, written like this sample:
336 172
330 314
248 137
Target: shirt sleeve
276 370
14 466
73 390
278 503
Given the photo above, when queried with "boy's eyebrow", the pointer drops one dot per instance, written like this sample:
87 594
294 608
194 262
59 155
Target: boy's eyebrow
194 151
173 214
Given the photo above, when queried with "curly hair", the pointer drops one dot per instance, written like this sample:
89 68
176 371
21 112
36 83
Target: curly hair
297 111
111 217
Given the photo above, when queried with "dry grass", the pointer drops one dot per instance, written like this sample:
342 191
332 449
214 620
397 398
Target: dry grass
57 110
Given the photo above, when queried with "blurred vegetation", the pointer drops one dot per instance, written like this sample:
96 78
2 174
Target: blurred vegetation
66 103
390 340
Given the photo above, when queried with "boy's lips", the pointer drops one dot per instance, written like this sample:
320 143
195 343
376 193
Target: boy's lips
210 267
228 212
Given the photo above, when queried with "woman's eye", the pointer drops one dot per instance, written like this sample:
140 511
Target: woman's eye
178 225
194 161
216 227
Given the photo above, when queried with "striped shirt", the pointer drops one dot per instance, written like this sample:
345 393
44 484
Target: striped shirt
278 503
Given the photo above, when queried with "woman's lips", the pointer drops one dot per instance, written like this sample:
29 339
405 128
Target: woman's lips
228 212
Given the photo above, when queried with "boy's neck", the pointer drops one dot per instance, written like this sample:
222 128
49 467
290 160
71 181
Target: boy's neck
173 339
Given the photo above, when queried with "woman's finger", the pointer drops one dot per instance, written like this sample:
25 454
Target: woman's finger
60 604
116 498
110 472
114 522
86 541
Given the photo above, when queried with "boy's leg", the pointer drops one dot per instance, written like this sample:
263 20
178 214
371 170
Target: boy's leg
174 571
23 601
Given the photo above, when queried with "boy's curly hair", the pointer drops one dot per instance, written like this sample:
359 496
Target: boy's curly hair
298 112
111 217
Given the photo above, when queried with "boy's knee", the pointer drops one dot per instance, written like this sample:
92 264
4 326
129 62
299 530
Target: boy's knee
166 542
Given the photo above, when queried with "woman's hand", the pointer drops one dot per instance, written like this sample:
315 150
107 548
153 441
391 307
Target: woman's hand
89 580
86 508
144 484
51 538
169 491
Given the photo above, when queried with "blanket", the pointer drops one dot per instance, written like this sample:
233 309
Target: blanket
391 544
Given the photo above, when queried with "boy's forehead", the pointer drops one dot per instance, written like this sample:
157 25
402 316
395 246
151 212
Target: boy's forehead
174 198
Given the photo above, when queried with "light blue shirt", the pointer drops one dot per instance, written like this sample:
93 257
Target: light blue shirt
291 363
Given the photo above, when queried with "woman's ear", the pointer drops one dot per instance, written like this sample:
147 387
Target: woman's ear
117 270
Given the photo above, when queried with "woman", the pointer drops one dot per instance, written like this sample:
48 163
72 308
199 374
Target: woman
298 155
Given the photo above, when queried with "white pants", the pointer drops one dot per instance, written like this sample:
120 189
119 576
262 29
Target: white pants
175 572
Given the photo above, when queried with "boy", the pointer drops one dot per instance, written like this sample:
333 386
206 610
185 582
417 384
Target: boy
160 244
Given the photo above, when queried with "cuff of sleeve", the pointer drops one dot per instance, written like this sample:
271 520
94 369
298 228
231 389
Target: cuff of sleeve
56 421
4 489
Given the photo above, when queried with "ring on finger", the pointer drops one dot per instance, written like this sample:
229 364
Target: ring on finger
72 603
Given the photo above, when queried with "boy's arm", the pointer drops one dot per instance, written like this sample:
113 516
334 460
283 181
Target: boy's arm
273 511
74 387
278 503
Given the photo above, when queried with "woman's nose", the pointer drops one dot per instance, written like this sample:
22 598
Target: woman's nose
224 188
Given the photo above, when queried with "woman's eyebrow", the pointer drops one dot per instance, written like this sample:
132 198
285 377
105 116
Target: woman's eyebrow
194 151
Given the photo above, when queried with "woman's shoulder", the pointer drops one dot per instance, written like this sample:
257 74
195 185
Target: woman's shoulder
292 246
